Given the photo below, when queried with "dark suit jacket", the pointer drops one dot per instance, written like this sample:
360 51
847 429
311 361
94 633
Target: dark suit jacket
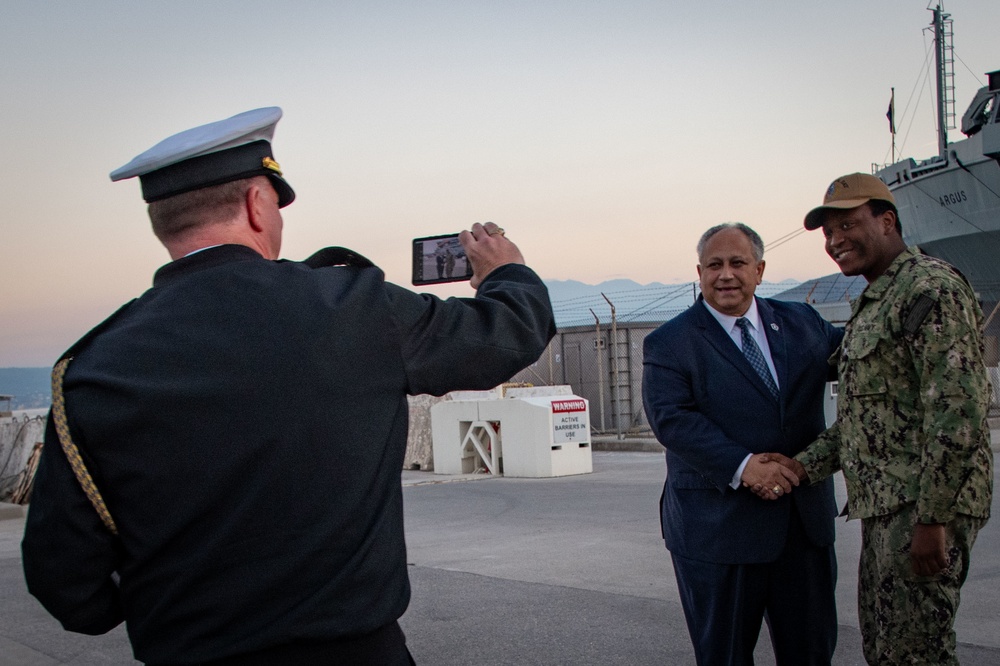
246 422
710 409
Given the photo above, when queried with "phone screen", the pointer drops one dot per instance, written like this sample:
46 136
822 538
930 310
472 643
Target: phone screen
438 259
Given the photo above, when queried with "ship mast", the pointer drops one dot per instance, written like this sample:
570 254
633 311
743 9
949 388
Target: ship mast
944 61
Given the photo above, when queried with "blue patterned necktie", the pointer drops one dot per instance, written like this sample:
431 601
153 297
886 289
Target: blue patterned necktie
755 356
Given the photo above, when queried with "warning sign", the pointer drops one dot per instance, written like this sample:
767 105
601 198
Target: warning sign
569 421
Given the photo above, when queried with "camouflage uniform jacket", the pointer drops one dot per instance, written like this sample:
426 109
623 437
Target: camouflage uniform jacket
913 397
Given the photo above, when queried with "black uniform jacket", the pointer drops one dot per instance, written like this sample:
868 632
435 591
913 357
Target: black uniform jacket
246 422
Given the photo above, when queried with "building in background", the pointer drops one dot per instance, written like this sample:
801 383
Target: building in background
600 356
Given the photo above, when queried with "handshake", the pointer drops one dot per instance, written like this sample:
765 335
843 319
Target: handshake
771 475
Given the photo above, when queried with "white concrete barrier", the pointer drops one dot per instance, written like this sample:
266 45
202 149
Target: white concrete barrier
525 433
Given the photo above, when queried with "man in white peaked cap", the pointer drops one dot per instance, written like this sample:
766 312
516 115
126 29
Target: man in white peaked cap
221 469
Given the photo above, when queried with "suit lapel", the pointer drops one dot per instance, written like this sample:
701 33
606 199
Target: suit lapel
719 339
774 330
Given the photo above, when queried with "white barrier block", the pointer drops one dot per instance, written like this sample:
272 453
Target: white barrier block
450 421
537 436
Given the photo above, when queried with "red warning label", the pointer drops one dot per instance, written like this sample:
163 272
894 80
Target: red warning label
568 406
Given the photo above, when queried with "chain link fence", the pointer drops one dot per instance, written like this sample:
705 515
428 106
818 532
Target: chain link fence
603 363
991 343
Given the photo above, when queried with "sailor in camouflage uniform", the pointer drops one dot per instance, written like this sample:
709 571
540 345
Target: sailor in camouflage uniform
911 435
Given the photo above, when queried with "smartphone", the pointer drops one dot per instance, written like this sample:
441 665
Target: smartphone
438 259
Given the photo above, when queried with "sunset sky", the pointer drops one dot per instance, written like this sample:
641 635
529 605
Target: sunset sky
604 136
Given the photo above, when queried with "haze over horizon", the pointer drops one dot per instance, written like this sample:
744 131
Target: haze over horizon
574 300
605 137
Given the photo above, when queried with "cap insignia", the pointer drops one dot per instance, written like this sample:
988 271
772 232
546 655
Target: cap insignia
268 163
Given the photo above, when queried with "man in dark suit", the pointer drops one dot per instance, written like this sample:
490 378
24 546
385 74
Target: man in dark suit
245 423
730 378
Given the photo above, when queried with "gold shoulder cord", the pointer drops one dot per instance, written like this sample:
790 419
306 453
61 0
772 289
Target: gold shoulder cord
72 453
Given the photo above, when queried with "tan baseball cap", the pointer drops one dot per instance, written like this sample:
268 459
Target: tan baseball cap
847 192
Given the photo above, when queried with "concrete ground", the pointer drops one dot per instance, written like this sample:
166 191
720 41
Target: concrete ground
532 571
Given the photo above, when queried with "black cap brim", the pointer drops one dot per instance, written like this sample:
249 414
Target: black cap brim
224 166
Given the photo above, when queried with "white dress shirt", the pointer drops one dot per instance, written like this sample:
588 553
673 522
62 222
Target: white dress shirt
728 323
201 249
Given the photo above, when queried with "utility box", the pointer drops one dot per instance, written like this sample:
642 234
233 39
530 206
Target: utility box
522 434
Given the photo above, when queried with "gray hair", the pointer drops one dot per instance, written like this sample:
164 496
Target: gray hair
755 242
182 213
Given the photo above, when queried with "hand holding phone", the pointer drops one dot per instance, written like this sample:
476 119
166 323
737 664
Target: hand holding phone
469 255
488 249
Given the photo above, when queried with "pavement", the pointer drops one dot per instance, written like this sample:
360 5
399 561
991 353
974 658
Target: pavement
533 571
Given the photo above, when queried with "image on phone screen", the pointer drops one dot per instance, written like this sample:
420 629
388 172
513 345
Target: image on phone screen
438 259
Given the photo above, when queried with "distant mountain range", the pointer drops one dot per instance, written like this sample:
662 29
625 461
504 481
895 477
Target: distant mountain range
573 301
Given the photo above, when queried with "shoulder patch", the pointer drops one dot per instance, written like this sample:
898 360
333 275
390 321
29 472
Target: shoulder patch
917 314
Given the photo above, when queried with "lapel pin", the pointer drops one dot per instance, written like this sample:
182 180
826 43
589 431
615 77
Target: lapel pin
774 327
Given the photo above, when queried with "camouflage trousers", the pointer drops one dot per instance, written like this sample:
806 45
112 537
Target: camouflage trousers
905 618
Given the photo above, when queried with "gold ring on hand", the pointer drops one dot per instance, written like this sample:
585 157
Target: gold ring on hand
498 230
776 490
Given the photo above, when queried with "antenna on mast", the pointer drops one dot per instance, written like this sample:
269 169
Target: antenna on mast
944 60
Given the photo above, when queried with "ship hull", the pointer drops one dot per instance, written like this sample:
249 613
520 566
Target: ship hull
952 211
